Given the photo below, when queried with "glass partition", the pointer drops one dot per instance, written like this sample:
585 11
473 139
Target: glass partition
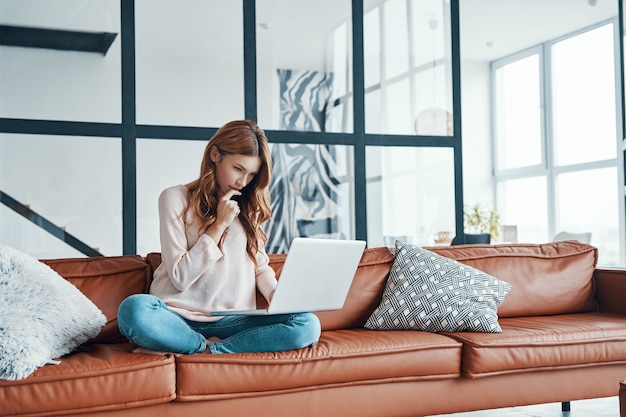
410 193
52 83
72 182
189 63
182 159
312 189
312 193
303 64
408 71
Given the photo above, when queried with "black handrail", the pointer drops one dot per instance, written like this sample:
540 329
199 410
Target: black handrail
47 225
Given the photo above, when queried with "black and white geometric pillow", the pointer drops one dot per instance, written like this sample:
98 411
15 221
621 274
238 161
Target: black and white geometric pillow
430 292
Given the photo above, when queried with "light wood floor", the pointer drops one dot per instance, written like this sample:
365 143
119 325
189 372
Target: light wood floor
601 407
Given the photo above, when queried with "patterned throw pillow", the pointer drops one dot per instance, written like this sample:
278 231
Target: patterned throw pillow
429 292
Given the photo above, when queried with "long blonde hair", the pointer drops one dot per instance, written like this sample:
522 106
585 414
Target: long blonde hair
241 137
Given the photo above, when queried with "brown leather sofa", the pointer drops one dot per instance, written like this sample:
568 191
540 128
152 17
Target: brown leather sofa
563 338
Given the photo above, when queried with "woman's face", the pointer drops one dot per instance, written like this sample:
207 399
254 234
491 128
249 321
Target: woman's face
235 171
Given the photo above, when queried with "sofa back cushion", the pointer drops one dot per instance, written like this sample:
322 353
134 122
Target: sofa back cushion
551 278
365 292
546 279
106 281
363 297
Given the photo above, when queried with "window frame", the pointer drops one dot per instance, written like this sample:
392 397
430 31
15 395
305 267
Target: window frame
548 168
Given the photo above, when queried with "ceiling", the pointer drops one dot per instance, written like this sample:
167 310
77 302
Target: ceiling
491 29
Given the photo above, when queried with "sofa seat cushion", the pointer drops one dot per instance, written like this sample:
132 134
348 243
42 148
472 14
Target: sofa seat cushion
545 343
102 377
341 357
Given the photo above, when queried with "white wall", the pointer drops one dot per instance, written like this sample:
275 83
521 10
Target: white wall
478 186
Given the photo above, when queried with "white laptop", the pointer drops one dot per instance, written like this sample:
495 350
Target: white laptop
316 276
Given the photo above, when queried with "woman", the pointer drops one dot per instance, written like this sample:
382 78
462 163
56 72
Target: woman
213 258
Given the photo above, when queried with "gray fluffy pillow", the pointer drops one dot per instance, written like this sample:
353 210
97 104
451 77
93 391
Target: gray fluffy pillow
42 316
430 292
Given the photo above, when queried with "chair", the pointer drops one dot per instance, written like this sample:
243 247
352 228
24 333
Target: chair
471 238
581 237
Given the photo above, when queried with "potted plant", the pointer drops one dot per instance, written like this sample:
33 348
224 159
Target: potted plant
478 219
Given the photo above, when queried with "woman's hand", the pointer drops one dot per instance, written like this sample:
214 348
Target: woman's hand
227 210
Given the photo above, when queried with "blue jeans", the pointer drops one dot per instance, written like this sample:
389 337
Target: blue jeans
147 322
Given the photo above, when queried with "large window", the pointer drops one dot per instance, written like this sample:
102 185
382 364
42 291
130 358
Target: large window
556 140
519 113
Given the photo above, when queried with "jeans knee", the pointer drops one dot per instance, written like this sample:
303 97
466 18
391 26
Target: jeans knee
309 327
131 311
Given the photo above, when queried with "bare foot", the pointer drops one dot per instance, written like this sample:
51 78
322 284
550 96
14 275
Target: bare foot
209 340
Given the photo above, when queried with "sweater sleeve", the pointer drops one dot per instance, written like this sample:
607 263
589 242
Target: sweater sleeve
184 264
265 275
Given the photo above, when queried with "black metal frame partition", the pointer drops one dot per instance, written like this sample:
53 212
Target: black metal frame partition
129 131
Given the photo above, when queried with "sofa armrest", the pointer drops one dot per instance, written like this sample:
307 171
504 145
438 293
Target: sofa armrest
611 289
